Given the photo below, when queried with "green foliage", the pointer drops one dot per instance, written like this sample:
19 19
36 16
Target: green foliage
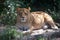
8 9
10 33
8 15
41 38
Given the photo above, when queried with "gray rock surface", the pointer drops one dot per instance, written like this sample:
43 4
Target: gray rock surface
48 34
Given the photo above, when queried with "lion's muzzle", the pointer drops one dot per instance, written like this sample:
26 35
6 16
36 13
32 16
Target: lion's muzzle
23 19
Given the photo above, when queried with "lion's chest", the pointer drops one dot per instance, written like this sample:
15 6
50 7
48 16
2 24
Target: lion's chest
23 27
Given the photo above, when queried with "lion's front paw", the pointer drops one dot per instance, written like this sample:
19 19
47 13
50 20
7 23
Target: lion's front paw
55 27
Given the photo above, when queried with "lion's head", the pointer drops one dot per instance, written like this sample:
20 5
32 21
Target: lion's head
23 14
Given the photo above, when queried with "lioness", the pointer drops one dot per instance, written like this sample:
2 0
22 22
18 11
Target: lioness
33 20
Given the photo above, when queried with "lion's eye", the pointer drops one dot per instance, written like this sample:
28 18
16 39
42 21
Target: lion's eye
26 13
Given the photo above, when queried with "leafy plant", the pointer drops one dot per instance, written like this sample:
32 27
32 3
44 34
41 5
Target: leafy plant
10 33
8 9
41 38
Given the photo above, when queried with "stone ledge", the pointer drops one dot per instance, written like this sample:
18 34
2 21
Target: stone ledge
48 34
41 31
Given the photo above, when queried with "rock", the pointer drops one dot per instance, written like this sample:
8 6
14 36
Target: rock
47 34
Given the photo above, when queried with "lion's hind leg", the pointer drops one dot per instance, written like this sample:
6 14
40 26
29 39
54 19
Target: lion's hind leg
52 24
50 21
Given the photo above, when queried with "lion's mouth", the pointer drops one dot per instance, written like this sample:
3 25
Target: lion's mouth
23 19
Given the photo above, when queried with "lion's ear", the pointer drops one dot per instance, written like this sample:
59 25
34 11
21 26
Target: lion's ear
17 9
29 8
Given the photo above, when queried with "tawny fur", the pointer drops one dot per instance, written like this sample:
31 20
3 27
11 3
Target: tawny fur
33 20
